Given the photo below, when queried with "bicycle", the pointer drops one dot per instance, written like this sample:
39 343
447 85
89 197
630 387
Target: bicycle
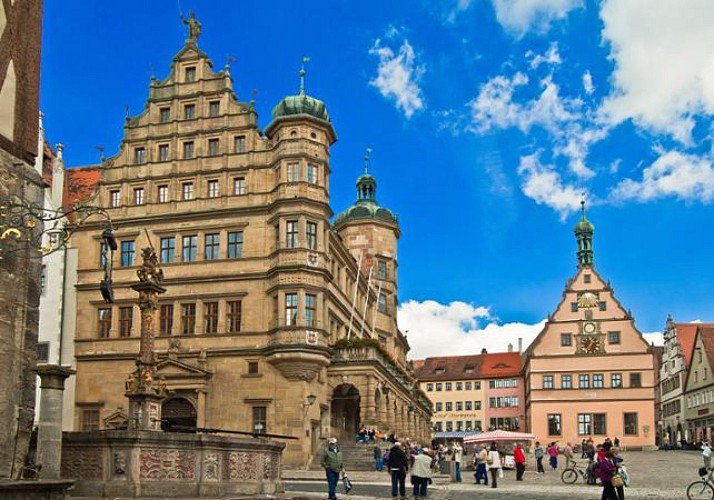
704 488
570 475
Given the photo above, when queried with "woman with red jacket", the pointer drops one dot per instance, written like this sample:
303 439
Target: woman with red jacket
520 460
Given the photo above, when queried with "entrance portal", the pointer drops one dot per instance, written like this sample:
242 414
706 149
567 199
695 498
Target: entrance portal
177 413
345 412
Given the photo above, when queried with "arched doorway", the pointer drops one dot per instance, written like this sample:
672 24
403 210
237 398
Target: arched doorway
345 411
177 414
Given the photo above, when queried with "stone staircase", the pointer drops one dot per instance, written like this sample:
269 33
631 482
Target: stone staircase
356 456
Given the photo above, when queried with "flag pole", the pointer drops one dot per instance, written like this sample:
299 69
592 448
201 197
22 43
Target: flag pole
376 305
354 298
366 300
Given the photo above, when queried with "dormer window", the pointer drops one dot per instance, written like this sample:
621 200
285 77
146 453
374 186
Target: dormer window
190 74
469 369
439 371
587 278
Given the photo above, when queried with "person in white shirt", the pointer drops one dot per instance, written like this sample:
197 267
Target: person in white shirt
421 472
458 453
707 454
494 464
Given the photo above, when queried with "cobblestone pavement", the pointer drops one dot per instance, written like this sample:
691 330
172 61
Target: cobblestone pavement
656 474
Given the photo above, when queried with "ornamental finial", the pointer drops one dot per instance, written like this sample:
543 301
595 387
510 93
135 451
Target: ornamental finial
368 151
305 60
194 27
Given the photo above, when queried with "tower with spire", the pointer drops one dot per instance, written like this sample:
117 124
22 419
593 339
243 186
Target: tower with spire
584 237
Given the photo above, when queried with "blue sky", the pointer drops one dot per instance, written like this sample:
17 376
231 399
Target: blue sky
487 119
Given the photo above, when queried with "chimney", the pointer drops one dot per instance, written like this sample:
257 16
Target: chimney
520 344
510 347
484 351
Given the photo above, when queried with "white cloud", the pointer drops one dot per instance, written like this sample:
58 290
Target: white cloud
455 329
588 83
542 183
551 57
664 63
683 176
615 166
520 16
457 8
398 75
656 338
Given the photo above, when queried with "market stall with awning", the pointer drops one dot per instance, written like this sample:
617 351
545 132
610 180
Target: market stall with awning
498 436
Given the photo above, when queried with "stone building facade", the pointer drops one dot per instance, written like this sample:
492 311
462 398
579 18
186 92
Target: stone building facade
698 399
590 372
271 322
20 28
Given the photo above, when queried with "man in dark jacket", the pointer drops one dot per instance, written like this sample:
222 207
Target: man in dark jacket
333 464
397 465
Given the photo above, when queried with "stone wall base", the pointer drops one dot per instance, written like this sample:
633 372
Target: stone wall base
35 490
135 464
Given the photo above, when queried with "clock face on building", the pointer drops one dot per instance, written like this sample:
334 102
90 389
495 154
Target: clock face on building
589 327
590 344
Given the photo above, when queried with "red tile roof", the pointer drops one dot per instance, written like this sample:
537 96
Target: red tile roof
79 185
706 332
477 366
417 364
686 333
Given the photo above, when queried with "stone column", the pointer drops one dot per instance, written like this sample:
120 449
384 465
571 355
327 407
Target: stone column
49 434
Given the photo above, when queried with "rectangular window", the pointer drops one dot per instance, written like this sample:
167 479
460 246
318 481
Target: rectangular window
188 150
163 152
114 198
291 305
211 246
584 381
311 173
163 194
166 319
188 319
235 244
139 156
168 249
585 424
449 426
190 74
125 317
616 380
468 405
127 253
189 112
501 383
233 316
547 381
138 196
477 425
477 386
449 406
310 308
239 185
43 352
636 379
43 280
438 386
574 307
213 188
189 248
599 426
602 306
164 115
104 322
459 386
382 269
613 337
312 235
459 406
468 425
214 147
429 387
253 368
566 339
291 234
598 381
566 382
477 405
459 425
503 402
438 406
239 144
630 424
587 278
214 108
260 419
210 317
467 386
187 190
554 428
439 426
90 419
293 172
447 386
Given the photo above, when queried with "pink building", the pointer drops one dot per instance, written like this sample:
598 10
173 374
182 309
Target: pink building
504 396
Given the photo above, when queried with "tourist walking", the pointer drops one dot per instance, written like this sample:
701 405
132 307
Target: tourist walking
333 464
457 454
607 469
539 453
397 465
421 472
378 457
552 452
707 454
568 454
481 466
617 460
520 458
494 464
583 448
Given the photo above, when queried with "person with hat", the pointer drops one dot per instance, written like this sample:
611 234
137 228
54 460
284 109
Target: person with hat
333 464
421 472
397 465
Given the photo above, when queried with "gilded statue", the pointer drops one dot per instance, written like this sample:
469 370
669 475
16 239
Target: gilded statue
130 383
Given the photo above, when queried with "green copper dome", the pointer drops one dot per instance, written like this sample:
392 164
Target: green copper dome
301 104
584 226
366 206
584 238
